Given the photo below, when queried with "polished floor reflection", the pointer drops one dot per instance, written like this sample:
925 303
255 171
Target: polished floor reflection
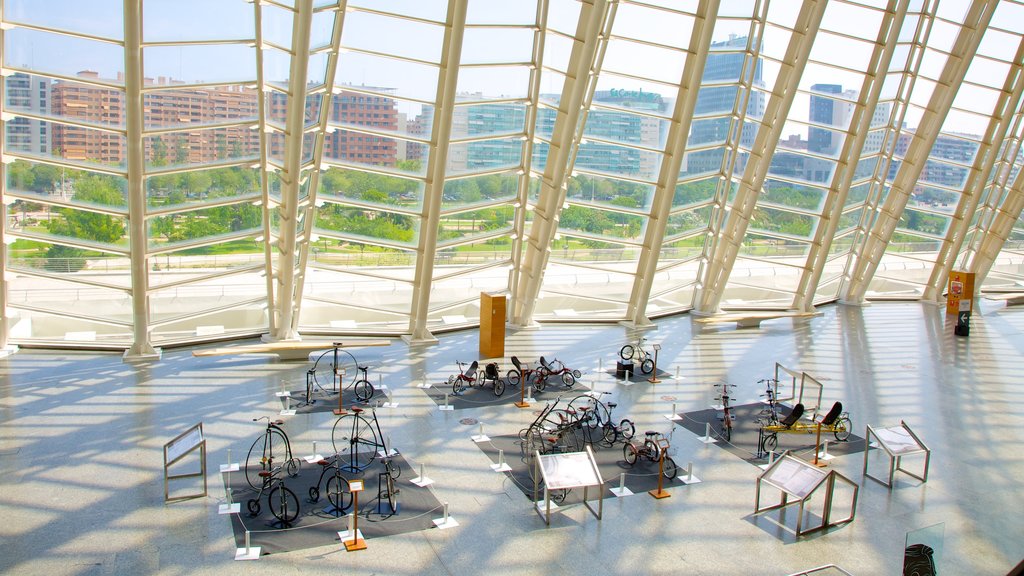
82 434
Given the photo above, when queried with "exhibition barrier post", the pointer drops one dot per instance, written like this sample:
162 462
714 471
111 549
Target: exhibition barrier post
247 553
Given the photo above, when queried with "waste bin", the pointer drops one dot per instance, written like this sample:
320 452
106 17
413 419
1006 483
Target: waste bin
963 323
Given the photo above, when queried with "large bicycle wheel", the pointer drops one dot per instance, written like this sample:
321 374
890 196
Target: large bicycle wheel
392 489
499 386
270 447
647 366
629 453
626 352
513 377
354 438
363 390
626 428
842 429
669 469
568 379
284 505
337 492
608 435
253 506
540 382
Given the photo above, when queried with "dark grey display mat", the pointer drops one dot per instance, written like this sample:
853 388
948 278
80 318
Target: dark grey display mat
417 507
640 477
744 437
477 396
327 400
639 376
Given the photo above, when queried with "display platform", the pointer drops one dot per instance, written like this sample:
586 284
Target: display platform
635 378
327 401
316 527
640 477
477 396
744 437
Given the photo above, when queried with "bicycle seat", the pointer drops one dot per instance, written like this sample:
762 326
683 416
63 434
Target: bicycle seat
612 405
264 474
651 433
363 368
832 415
793 416
515 362
323 462
278 422
357 409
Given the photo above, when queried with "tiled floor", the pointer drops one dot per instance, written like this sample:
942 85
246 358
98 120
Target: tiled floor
81 437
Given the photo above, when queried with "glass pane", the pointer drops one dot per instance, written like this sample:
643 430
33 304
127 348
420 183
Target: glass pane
377 33
427 9
484 12
698 192
451 259
629 128
493 45
374 189
96 18
200 186
371 150
367 225
610 192
489 119
207 224
485 155
73 327
492 82
57 184
793 195
277 25
645 61
635 22
602 223
341 301
199 147
54 258
387 76
702 162
191 107
176 21
466 191
612 159
102 230
688 221
197 298
221 63
455 227
789 223
923 222
63 55
390 262
761 246
169 267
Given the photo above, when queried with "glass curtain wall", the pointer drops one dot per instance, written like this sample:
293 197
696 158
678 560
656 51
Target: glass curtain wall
310 166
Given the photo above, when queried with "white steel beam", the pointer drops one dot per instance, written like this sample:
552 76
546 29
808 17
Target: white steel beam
564 139
723 258
287 296
519 225
430 217
995 136
853 146
675 149
964 47
318 153
142 347
273 321
995 237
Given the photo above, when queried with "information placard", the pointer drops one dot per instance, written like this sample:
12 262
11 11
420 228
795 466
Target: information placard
569 470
